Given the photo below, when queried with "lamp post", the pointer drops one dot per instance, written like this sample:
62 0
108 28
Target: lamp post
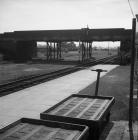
98 78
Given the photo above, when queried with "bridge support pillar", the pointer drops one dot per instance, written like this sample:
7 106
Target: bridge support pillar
56 51
47 51
85 50
8 49
90 49
50 50
124 48
53 51
122 45
125 45
26 50
59 50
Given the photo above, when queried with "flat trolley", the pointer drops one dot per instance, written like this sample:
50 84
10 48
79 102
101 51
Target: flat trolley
93 111
32 129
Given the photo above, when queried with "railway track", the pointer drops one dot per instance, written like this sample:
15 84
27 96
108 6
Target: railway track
29 81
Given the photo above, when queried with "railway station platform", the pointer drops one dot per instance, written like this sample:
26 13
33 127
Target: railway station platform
116 83
30 102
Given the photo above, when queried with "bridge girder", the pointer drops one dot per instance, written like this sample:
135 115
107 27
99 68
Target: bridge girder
113 34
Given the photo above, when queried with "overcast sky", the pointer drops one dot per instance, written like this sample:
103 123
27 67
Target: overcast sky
65 14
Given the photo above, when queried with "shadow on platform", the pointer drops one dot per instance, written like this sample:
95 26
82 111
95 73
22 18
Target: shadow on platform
119 130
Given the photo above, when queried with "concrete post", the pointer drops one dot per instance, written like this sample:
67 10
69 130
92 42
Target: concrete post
60 50
54 51
83 51
57 50
47 51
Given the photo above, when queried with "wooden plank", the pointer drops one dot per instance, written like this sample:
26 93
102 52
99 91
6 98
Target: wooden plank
75 107
91 104
99 111
43 130
54 111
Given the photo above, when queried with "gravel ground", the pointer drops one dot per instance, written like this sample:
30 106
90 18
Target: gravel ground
9 72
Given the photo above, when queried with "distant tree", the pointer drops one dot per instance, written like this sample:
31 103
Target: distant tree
68 46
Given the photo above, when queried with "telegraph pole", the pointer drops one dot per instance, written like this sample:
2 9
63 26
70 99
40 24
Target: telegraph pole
132 73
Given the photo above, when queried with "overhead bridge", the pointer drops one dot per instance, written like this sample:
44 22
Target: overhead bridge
84 34
19 42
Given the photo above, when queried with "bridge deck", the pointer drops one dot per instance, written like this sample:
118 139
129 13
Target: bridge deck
86 34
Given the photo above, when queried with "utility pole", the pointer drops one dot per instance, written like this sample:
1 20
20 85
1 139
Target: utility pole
132 73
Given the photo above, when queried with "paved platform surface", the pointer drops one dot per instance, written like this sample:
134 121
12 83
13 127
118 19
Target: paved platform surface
116 83
119 130
30 102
